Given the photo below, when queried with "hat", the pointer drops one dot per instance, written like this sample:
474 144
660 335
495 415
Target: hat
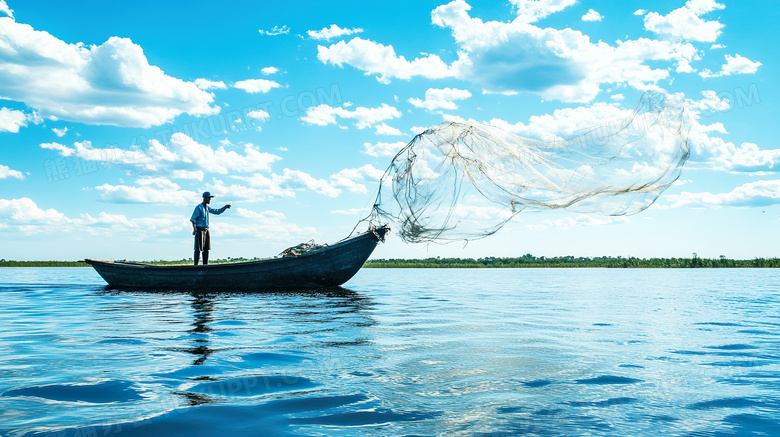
207 194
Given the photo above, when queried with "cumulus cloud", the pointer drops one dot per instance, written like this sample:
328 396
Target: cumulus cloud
6 10
324 115
60 132
277 30
263 187
180 153
440 98
751 194
381 149
25 211
206 84
269 70
6 172
563 123
259 115
529 11
592 15
254 86
518 56
384 129
11 120
561 64
111 83
350 211
334 31
376 58
351 178
158 190
709 151
686 22
26 217
268 225
579 221
734 65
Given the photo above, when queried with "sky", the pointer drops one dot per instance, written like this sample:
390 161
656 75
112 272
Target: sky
116 116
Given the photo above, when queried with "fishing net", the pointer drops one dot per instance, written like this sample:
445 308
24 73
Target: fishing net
463 181
300 249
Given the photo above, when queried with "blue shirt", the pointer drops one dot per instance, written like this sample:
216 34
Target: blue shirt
201 215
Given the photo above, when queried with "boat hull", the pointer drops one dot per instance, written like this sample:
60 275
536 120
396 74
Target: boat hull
327 267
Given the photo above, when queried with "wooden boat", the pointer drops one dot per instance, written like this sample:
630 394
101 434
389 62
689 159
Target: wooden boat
329 266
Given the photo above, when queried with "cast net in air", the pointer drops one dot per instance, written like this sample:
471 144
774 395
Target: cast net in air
464 181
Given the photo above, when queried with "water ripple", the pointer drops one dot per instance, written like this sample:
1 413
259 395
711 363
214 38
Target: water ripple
478 352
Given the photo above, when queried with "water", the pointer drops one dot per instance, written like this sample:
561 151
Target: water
547 352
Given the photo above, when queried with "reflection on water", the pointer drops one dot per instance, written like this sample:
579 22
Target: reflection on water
401 352
201 309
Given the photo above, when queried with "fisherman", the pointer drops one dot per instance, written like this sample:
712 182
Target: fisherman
200 227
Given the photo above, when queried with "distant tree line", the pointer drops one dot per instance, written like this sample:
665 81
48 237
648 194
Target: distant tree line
527 260
12 263
183 261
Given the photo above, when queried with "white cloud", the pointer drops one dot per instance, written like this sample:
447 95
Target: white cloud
734 65
751 194
24 216
6 172
60 132
529 11
375 58
381 149
259 115
640 12
181 153
714 153
268 225
206 84
261 187
324 115
558 64
350 211
384 129
440 98
111 83
592 15
25 211
564 123
350 178
284 30
158 190
269 70
254 86
718 154
194 175
334 31
6 10
579 221
11 120
686 22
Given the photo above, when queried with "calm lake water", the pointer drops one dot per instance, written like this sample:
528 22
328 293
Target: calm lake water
490 352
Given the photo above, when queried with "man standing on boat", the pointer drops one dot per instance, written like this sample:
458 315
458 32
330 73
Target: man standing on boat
200 227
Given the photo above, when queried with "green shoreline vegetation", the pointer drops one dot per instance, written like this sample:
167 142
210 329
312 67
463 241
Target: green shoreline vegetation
525 261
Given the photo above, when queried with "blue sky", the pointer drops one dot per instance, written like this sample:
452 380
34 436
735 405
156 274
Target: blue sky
115 116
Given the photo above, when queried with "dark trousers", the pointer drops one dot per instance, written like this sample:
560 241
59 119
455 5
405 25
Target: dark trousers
205 257
202 244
